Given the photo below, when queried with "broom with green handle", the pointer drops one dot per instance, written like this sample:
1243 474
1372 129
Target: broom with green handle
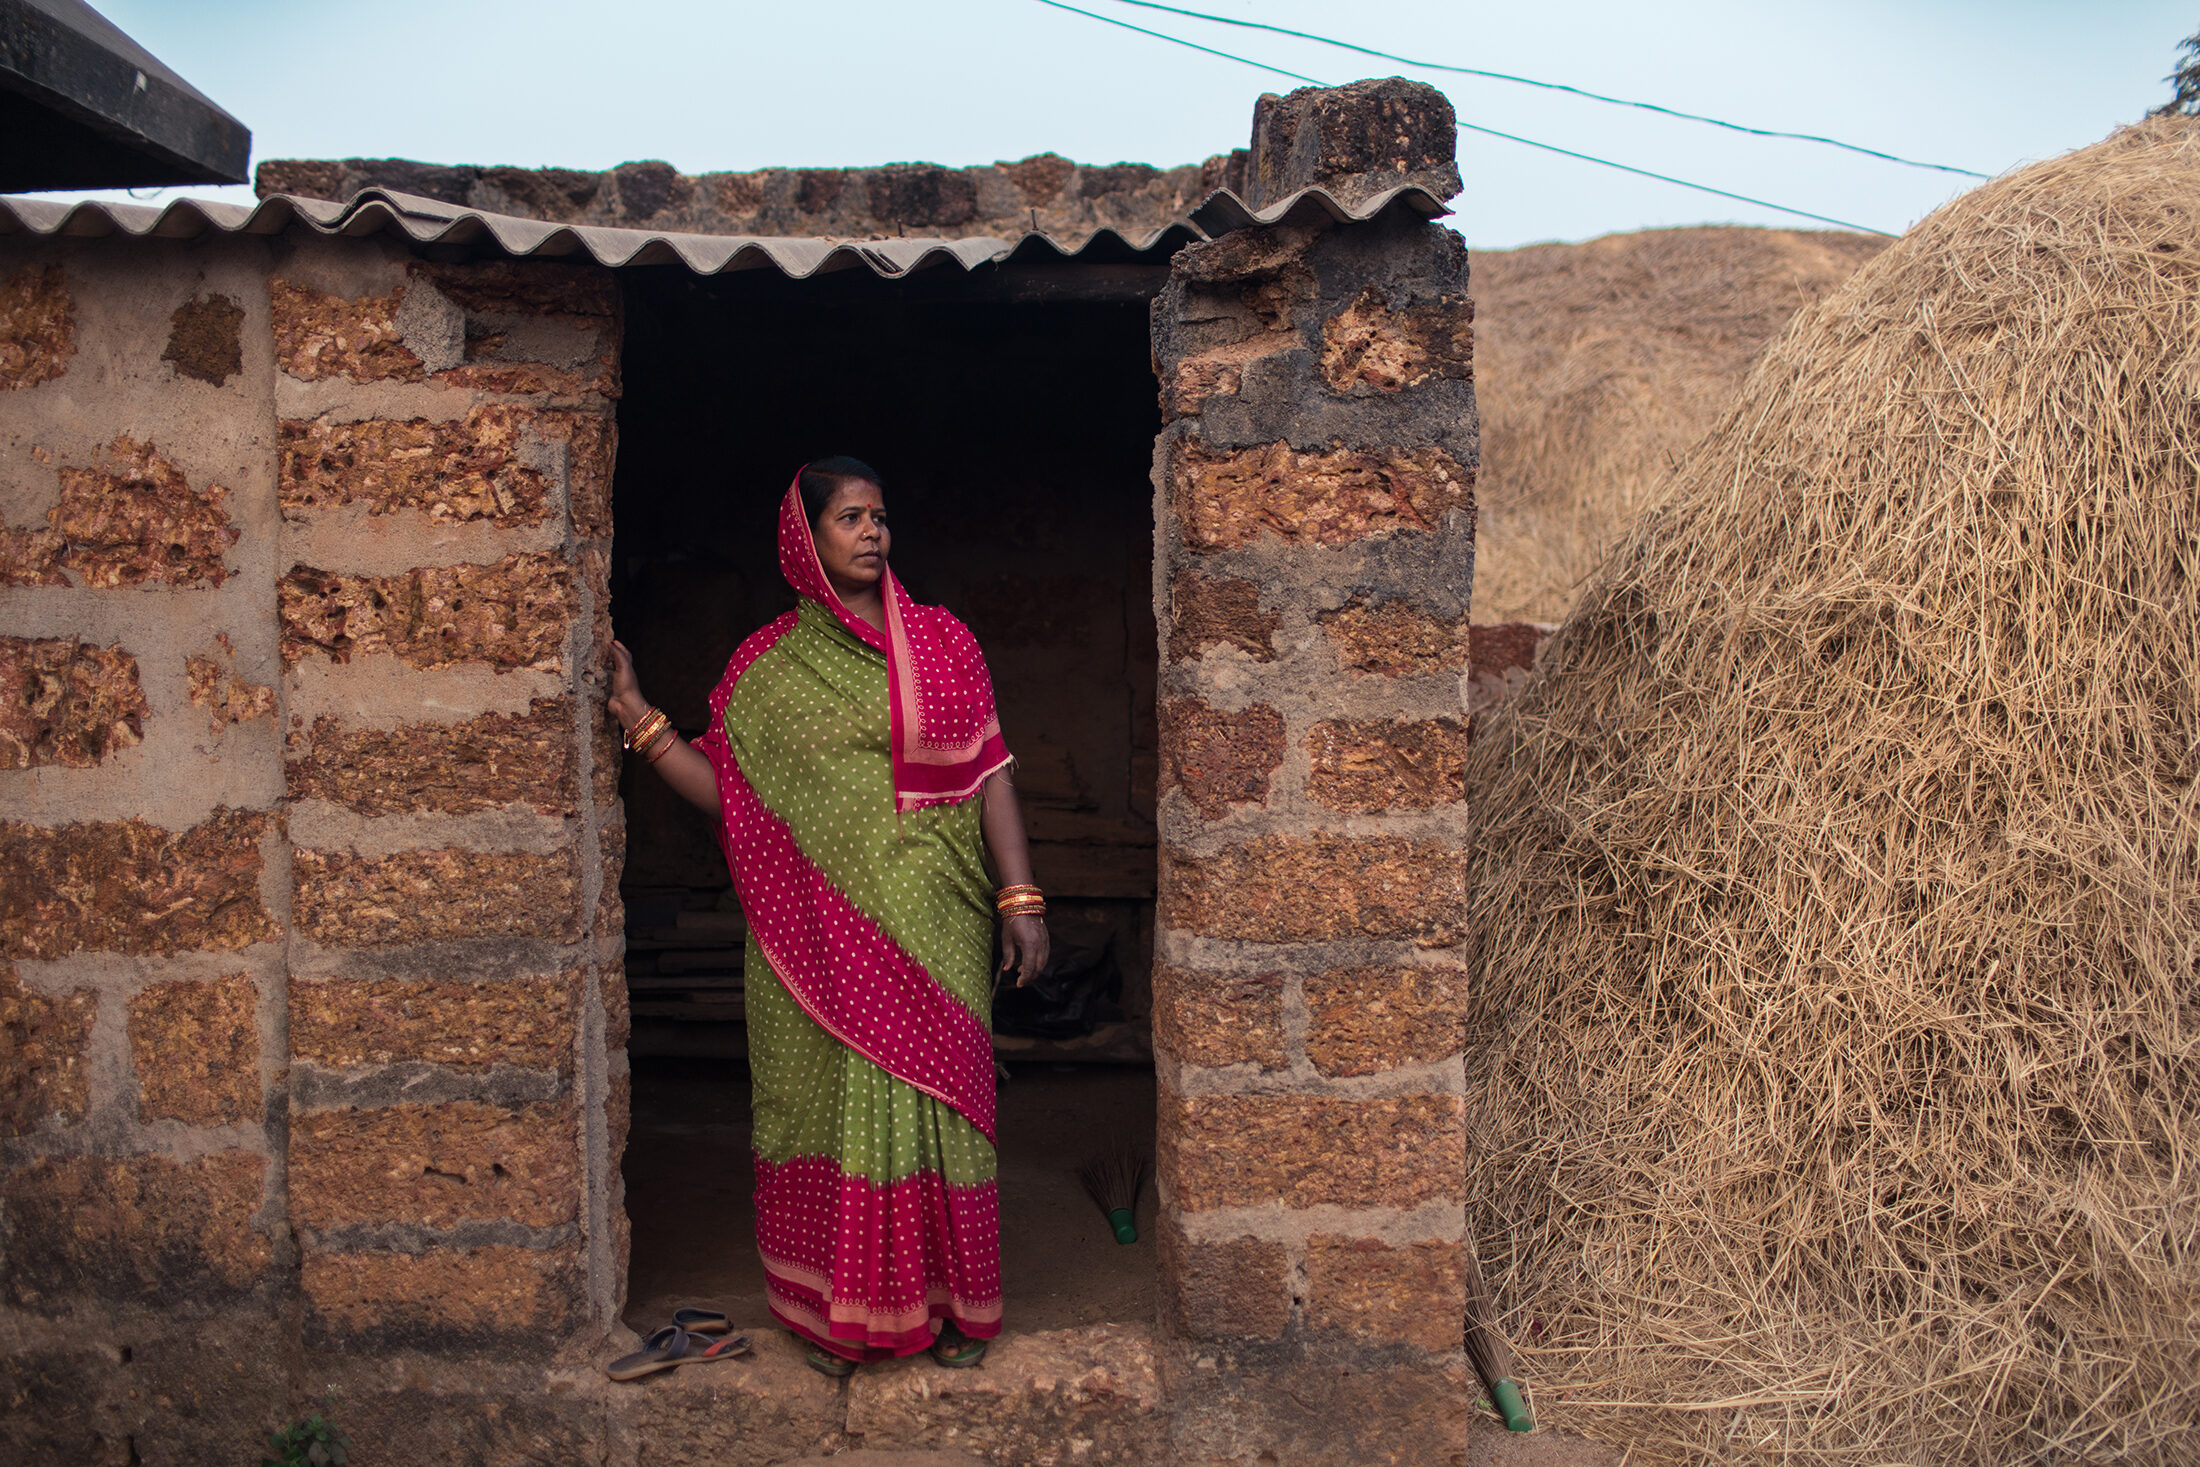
1492 1357
1113 1178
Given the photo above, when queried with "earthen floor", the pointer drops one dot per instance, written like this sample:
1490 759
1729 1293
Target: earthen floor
688 1183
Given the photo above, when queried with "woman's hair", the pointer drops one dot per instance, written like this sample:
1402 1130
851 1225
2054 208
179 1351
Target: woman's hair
822 479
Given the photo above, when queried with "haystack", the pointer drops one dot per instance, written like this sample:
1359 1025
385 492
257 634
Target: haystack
1841 875
1598 365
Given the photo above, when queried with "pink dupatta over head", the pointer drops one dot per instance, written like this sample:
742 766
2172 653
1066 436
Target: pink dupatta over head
947 737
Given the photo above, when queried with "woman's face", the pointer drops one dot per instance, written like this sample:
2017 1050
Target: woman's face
852 538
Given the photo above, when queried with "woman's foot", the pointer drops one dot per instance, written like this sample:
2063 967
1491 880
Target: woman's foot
825 1362
956 1350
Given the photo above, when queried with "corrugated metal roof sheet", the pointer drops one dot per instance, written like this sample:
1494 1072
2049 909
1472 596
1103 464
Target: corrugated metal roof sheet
426 221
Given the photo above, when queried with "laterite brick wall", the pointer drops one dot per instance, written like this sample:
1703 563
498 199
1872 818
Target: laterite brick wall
310 1002
1314 561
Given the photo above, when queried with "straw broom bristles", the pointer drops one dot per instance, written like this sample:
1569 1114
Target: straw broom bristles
1836 1017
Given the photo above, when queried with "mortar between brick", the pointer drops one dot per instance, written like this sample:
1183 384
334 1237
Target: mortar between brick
348 540
381 691
1272 1222
318 825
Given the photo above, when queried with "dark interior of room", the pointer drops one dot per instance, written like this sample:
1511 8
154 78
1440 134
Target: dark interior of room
1013 423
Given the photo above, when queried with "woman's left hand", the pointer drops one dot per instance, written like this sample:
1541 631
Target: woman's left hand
1024 947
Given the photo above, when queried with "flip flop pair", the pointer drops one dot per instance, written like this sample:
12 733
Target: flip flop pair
674 1346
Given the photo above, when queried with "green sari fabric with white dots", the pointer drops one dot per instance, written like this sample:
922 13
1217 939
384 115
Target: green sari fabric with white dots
808 723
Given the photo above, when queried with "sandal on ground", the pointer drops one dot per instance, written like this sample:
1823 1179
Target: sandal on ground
671 1347
701 1321
825 1362
654 1355
956 1350
702 1350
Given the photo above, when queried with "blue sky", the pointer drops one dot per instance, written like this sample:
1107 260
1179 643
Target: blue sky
731 85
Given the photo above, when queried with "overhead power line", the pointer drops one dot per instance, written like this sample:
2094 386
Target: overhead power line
1487 131
1529 81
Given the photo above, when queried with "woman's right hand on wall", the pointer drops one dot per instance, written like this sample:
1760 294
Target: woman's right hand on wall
626 701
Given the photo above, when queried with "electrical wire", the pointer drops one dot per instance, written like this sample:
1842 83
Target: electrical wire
1488 131
1529 81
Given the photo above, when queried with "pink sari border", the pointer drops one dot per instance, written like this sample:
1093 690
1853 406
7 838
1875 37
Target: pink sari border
941 1259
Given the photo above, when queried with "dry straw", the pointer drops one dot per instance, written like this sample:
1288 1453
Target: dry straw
1841 868
1597 366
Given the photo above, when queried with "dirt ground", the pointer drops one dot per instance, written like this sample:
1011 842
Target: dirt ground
688 1185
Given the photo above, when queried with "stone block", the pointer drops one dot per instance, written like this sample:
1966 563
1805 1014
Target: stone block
1387 343
206 339
318 335
1333 497
618 1010
1305 1151
31 558
1319 887
37 326
226 697
42 1040
485 763
133 1227
1362 1021
764 1411
591 448
1048 1399
512 613
1354 141
606 759
610 918
531 326
342 900
66 702
132 519
618 1110
201 1388
52 1412
442 1297
526 288
1219 611
1217 757
1395 638
461 1417
1360 766
472 468
196 1048
436 1166
127 886
1214 1019
345 1023
1239 1288
1375 1293
1356 1407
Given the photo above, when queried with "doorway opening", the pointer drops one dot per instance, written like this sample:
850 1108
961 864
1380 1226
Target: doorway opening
1011 412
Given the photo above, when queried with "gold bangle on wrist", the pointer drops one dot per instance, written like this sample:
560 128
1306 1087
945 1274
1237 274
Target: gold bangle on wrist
646 728
659 744
1021 900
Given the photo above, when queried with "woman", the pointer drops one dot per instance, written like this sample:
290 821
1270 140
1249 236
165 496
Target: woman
855 763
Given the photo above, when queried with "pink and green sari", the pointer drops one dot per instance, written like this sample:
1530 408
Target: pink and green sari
849 759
